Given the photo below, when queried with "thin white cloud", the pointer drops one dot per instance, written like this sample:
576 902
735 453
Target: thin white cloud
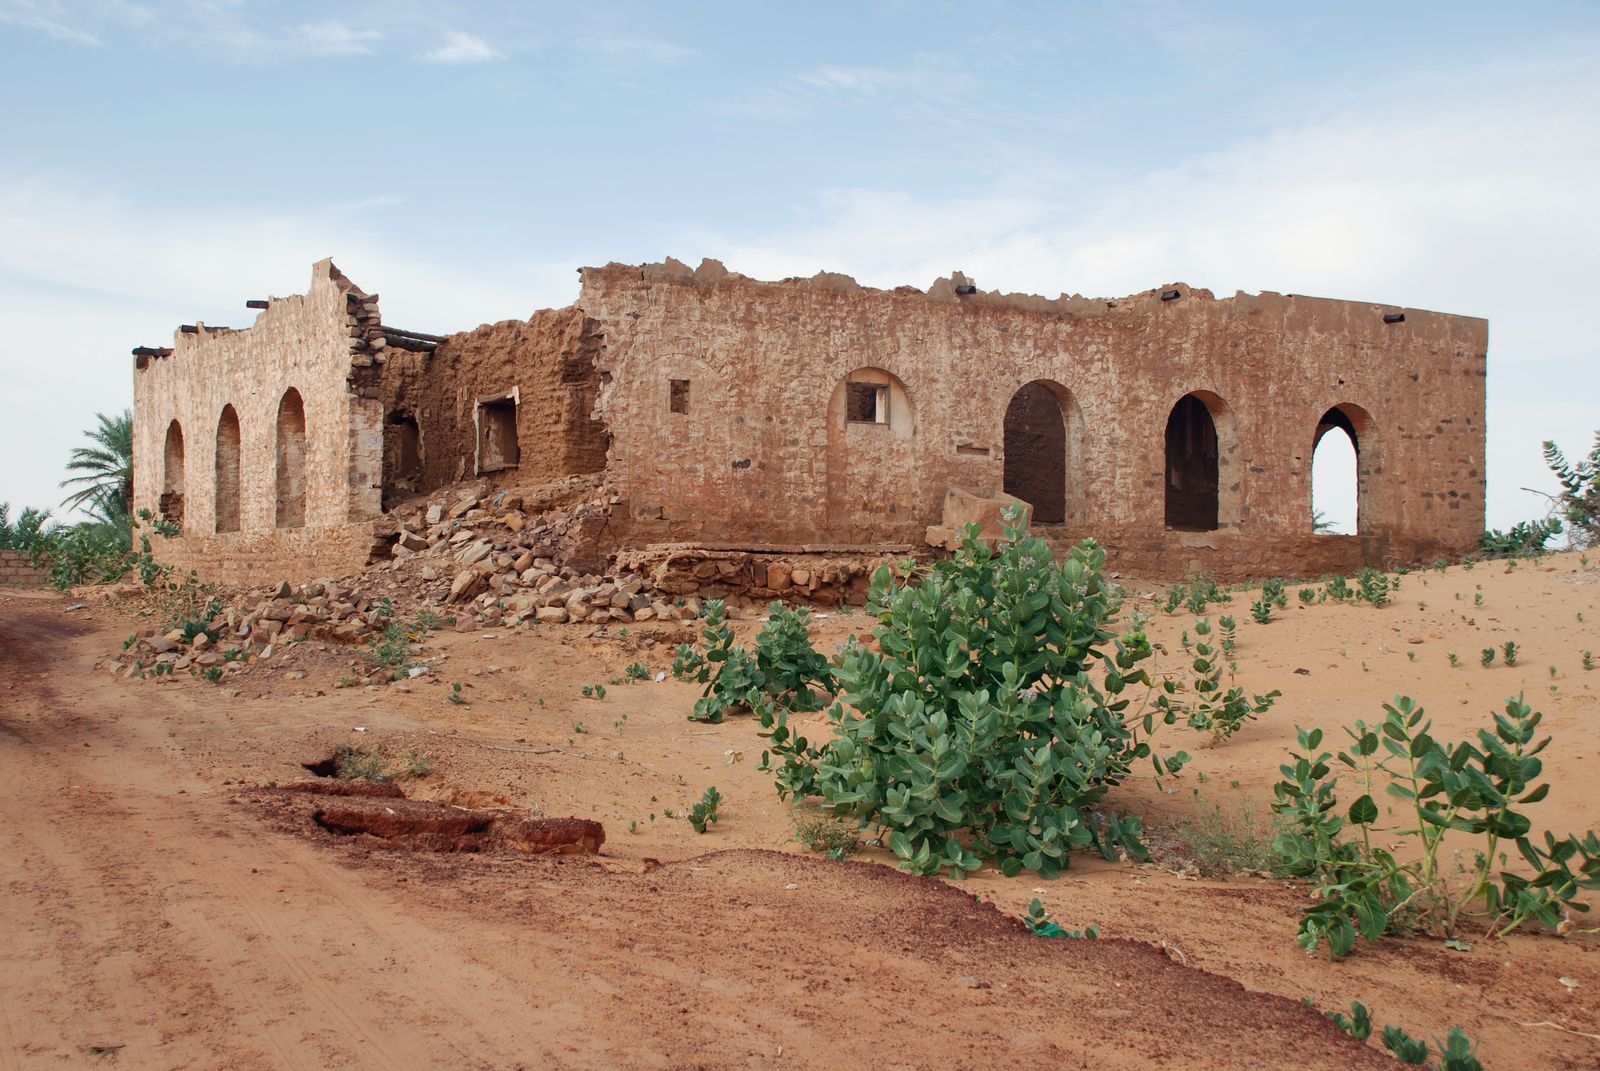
634 49
459 47
53 19
333 38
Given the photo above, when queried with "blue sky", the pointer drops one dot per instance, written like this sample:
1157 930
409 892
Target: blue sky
161 162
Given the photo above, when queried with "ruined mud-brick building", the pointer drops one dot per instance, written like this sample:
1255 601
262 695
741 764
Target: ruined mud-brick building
1174 427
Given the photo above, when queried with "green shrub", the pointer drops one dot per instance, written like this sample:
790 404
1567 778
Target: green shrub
978 729
1373 587
1338 589
704 813
1473 787
785 673
1525 539
1580 492
1209 709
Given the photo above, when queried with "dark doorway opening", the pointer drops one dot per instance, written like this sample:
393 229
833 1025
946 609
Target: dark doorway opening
1192 467
1036 452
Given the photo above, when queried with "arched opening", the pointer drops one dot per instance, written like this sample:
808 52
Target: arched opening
1196 453
1340 471
171 503
872 484
402 455
1043 441
291 460
227 498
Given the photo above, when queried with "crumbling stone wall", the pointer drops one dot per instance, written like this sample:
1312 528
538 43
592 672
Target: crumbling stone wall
18 571
308 426
1176 428
765 454
545 366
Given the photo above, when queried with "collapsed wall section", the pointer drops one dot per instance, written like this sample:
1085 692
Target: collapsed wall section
512 402
818 411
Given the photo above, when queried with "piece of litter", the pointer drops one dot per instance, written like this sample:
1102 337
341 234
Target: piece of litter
1570 983
360 728
661 676
791 885
416 671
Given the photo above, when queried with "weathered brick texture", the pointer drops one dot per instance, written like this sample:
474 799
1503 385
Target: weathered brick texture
815 411
17 572
765 455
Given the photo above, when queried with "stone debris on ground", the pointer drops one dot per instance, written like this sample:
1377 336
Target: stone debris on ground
471 557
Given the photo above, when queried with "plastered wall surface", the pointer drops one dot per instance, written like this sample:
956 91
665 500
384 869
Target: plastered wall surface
763 455
816 412
304 343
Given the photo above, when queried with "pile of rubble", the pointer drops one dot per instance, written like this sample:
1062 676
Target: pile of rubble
482 558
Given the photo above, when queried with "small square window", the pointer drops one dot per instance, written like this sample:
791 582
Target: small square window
497 435
866 403
678 396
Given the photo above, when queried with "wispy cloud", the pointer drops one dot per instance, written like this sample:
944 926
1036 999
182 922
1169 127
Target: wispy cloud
333 38
924 77
460 47
632 49
54 19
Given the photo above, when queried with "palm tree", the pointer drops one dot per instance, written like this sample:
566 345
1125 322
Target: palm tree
104 484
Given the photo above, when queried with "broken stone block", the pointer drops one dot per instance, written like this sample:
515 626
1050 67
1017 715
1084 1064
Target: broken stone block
467 584
963 507
553 615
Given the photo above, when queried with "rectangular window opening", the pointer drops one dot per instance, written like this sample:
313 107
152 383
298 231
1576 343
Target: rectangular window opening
678 396
497 435
866 403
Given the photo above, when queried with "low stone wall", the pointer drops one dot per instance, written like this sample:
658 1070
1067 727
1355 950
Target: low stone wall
292 554
17 572
1233 557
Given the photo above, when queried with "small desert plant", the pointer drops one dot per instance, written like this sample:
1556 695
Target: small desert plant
430 620
454 698
1043 924
1218 844
1456 1053
704 813
637 671
1455 660
1338 589
827 835
1509 651
1588 660
1210 709
1486 657
1373 587
1308 596
593 691
784 673
1473 787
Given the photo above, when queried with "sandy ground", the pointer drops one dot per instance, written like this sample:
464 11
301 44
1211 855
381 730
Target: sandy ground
158 912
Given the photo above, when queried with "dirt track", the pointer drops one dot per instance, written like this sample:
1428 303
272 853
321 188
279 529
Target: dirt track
151 921
156 911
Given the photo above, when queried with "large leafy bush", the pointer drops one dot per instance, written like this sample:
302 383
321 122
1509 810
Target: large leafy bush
990 715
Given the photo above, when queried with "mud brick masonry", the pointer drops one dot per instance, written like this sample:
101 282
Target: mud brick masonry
725 412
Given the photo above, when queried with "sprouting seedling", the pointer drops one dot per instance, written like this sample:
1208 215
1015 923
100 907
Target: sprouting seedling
579 727
704 813
1455 660
1477 600
1508 651
1588 660
1411 656
455 694
1487 657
